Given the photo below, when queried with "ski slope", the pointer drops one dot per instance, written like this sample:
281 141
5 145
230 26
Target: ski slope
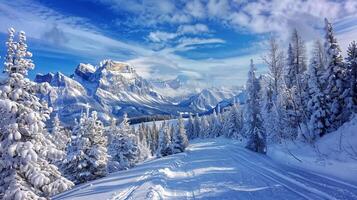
214 169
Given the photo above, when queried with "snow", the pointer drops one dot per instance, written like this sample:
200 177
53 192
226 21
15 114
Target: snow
326 156
214 169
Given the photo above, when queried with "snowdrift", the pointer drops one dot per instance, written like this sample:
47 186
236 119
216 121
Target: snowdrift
334 154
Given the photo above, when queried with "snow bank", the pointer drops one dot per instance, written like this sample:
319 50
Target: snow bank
334 154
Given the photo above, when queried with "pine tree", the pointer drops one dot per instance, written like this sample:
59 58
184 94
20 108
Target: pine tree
180 141
171 133
164 141
290 70
257 138
268 110
233 122
204 127
59 135
123 148
149 141
88 158
25 154
296 83
272 89
352 71
196 126
190 127
318 123
155 137
142 144
275 62
215 125
336 87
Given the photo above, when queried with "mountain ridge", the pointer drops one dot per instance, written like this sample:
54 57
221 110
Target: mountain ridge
113 88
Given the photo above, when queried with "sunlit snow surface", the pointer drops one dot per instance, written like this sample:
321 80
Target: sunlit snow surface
214 169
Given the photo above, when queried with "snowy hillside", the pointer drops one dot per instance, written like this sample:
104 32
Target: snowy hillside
334 154
214 169
178 88
209 98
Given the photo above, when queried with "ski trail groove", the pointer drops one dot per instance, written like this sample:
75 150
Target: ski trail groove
265 171
213 169
273 179
126 193
310 179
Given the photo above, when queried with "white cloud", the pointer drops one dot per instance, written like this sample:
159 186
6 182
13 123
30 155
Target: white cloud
160 36
260 16
195 8
192 43
193 29
187 24
218 8
350 6
73 33
163 37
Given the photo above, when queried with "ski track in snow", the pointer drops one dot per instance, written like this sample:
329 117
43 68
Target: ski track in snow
213 169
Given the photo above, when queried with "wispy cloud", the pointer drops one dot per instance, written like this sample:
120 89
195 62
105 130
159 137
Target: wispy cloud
174 27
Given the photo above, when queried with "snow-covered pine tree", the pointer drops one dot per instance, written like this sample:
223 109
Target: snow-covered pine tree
190 127
142 133
155 138
275 62
289 71
60 136
256 134
272 88
25 170
164 141
171 133
143 148
196 126
284 110
88 158
351 62
233 122
318 123
336 88
268 109
215 125
204 127
180 141
124 146
296 82
149 141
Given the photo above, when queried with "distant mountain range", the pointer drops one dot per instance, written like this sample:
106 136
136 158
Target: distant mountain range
113 88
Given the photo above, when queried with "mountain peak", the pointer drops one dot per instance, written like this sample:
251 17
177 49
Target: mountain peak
85 70
116 66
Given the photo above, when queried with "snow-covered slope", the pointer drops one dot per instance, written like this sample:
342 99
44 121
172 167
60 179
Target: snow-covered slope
209 98
179 88
68 96
335 153
214 169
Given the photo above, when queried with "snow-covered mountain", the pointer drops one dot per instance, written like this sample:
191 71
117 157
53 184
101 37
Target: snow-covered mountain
209 98
112 89
224 105
179 88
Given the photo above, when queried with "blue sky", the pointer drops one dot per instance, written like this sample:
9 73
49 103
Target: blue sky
207 40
